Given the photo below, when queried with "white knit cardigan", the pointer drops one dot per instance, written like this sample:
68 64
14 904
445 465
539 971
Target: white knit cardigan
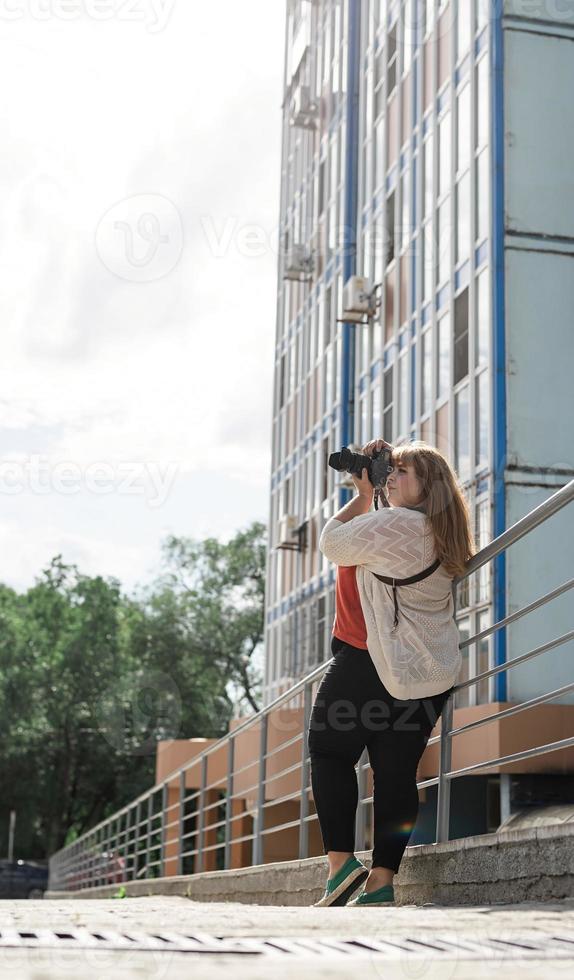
421 657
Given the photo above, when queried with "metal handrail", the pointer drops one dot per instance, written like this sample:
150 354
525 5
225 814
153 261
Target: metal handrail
120 847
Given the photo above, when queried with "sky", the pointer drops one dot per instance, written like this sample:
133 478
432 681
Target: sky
139 204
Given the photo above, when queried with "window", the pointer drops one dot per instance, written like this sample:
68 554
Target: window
482 534
443 356
461 698
392 59
426 372
403 394
428 148
444 142
482 419
364 409
482 13
405 214
328 316
461 336
322 168
376 410
427 259
282 371
390 228
483 652
461 434
388 405
443 241
463 132
482 319
463 218
409 33
482 102
482 196
464 17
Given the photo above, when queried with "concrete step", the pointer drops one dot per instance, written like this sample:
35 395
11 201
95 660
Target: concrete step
532 864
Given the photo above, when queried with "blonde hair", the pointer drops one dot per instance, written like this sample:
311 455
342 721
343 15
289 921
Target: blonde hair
443 501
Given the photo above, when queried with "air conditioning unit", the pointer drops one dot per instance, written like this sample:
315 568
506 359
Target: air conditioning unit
288 527
298 264
357 299
303 112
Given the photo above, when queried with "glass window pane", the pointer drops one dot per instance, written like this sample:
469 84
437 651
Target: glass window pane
482 93
403 392
428 154
482 318
461 698
427 259
443 241
461 436
461 336
483 657
482 403
483 537
463 218
426 369
376 409
405 217
482 13
463 132
444 141
464 17
443 356
482 196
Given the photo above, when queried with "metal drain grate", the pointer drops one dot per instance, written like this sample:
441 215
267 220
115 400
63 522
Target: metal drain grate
440 946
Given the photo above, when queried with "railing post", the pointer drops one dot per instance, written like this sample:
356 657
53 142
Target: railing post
304 808
445 757
443 801
164 802
360 815
229 803
181 822
200 823
148 833
137 839
257 851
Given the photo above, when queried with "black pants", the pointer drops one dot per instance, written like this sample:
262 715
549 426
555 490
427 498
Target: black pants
353 709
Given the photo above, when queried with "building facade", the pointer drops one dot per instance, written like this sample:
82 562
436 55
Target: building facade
426 146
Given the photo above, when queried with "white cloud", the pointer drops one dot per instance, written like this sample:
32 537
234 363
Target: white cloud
97 368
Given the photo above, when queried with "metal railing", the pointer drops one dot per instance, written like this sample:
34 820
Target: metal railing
216 812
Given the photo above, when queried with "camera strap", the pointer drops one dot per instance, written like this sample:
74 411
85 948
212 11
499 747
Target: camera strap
405 581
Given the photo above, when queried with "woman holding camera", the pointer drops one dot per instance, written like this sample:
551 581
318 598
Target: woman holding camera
396 659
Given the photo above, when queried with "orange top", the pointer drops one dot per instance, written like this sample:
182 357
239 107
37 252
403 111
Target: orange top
349 624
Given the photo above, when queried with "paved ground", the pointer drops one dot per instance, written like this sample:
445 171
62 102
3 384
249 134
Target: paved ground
530 940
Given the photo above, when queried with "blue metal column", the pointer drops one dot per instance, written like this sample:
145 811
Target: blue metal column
350 229
498 337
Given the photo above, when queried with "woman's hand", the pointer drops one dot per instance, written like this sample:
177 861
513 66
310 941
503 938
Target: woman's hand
363 484
375 445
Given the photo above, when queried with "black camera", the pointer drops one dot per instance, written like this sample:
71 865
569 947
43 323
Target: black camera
378 466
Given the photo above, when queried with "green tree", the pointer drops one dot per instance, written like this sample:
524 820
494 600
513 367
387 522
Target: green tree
91 679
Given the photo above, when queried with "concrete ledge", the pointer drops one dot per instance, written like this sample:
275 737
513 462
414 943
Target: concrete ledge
534 864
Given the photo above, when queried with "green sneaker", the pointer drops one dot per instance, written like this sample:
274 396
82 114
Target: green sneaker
380 896
342 885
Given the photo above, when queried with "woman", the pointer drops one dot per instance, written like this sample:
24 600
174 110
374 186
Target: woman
396 659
